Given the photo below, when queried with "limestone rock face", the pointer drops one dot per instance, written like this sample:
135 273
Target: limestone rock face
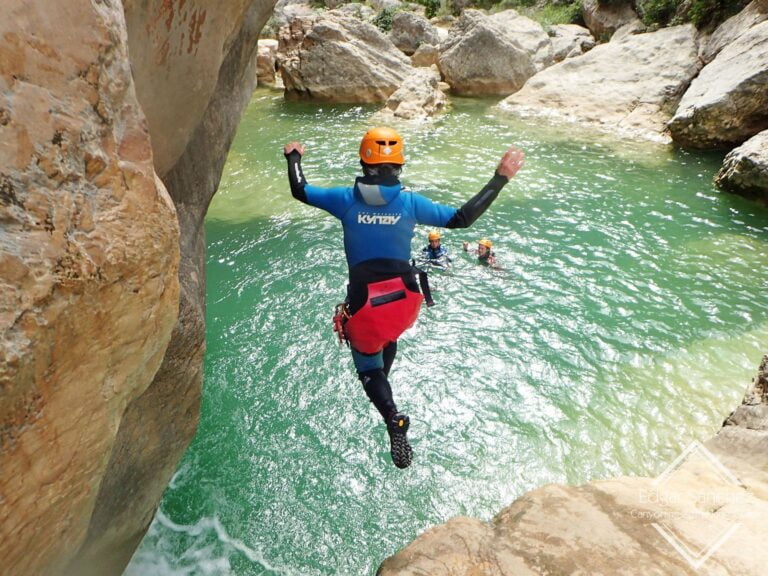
482 55
735 26
89 259
715 490
409 31
266 59
631 86
157 426
98 269
180 46
418 98
332 57
728 101
529 34
570 40
745 169
425 56
603 19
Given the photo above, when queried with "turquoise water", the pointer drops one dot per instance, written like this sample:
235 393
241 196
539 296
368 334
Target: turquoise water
627 320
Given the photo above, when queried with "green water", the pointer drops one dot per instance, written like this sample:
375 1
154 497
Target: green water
627 321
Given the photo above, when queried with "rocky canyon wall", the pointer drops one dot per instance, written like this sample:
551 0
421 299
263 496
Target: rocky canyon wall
115 122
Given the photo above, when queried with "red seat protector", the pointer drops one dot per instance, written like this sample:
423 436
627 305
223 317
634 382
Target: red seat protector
371 328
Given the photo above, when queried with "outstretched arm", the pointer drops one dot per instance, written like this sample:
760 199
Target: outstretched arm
472 209
293 152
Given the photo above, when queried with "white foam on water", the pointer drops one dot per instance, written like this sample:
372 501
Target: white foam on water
201 557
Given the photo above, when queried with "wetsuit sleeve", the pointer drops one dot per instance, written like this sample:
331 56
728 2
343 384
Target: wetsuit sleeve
430 213
479 203
296 176
332 200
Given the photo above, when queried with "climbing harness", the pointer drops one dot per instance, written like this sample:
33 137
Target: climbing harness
340 317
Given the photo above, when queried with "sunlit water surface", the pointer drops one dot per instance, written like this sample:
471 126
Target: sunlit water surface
627 320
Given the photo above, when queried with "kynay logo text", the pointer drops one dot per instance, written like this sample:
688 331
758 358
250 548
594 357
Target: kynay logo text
378 218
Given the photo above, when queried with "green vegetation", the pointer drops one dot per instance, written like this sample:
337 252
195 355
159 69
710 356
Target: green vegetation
654 13
702 13
431 7
546 13
657 12
706 12
383 20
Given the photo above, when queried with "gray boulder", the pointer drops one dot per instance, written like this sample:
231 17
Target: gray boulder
419 97
603 19
266 61
569 40
631 86
730 30
482 55
728 102
745 169
409 31
529 33
332 57
425 56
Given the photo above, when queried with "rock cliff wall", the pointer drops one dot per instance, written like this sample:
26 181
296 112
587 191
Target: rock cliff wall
115 122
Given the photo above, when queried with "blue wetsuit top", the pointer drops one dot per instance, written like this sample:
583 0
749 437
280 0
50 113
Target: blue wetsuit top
378 219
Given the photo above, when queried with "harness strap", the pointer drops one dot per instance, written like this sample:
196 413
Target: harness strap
424 284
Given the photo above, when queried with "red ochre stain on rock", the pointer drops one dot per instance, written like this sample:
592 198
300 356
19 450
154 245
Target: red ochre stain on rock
196 28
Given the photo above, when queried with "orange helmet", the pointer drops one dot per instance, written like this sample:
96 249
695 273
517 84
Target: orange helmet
485 242
382 145
434 235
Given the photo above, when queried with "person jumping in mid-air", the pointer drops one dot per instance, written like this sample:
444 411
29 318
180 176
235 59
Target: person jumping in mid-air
378 217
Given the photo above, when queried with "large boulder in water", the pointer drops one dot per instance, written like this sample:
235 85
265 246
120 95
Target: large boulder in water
332 57
728 102
745 169
493 54
630 86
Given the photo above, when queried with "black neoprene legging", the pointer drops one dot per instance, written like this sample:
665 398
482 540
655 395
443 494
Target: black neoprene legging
376 384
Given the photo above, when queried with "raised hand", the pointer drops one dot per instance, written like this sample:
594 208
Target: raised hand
293 146
511 162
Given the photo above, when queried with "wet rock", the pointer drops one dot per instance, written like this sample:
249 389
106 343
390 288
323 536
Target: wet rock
727 102
745 169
